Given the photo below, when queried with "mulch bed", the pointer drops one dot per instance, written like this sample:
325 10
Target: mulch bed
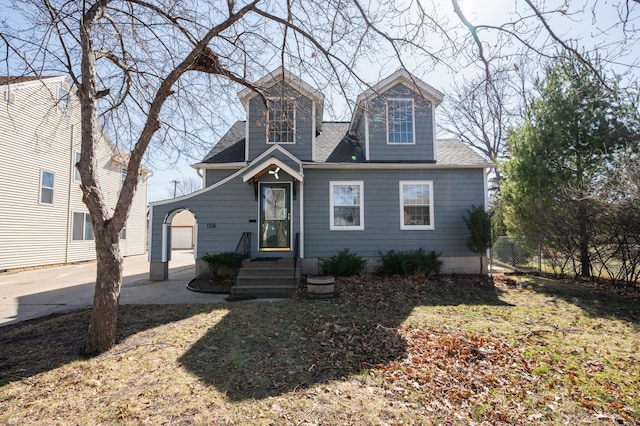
219 285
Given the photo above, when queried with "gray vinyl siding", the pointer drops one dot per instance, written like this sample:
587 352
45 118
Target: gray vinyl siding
287 160
223 214
454 192
212 176
379 150
257 117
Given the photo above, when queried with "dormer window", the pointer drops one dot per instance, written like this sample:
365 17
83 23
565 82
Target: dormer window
400 122
281 118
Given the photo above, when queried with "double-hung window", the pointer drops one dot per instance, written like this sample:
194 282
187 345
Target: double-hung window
400 121
416 205
347 206
46 187
281 118
82 228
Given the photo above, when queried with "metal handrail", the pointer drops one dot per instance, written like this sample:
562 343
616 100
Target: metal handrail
296 253
243 250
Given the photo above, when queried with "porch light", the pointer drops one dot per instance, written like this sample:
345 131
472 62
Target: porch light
275 172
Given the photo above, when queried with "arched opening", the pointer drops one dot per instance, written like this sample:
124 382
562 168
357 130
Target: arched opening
183 231
180 237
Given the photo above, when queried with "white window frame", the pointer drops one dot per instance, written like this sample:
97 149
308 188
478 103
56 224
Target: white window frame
9 96
334 227
52 188
267 128
76 172
413 120
406 227
64 101
84 226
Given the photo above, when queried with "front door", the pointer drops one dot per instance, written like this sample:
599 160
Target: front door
275 216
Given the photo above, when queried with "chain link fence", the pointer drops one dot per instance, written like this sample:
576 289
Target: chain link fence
521 254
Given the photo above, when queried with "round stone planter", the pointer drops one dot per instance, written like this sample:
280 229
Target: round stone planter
321 287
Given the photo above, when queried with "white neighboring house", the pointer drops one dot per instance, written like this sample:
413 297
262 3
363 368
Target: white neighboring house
43 220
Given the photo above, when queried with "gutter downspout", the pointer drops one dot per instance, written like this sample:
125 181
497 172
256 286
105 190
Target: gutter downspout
71 176
199 172
301 242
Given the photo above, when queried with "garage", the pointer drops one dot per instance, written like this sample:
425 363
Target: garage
181 237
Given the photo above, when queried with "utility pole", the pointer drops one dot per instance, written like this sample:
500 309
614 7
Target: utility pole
175 185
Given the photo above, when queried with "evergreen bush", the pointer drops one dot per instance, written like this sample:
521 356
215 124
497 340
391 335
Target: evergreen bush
343 264
215 261
410 262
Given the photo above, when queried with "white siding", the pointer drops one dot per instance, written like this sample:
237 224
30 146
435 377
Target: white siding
35 136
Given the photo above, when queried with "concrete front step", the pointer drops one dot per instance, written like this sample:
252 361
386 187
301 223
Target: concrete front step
275 263
263 292
266 278
267 272
260 282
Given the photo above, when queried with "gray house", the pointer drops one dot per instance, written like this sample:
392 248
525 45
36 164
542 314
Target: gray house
285 184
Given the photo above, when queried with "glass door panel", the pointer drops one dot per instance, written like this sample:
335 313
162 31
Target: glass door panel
275 216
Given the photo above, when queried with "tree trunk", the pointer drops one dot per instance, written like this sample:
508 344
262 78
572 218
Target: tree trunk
104 315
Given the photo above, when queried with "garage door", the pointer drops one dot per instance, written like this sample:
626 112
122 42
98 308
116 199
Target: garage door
182 237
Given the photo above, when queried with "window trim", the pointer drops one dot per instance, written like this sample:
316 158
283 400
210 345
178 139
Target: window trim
76 172
41 187
413 120
334 227
84 224
64 101
267 130
405 227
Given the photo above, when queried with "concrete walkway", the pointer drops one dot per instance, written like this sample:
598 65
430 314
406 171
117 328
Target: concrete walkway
40 292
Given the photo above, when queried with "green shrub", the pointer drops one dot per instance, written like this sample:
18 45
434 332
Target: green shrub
215 261
343 264
410 262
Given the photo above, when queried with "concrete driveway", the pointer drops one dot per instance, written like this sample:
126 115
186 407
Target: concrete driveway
37 293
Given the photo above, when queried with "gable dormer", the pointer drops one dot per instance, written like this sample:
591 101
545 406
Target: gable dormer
292 116
395 119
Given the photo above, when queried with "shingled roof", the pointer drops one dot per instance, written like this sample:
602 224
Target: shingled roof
335 145
229 149
454 152
327 141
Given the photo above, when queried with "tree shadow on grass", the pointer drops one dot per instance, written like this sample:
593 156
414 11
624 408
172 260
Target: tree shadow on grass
260 350
43 344
596 301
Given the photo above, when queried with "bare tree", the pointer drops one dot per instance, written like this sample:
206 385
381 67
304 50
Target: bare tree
159 73
483 112
538 29
184 186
